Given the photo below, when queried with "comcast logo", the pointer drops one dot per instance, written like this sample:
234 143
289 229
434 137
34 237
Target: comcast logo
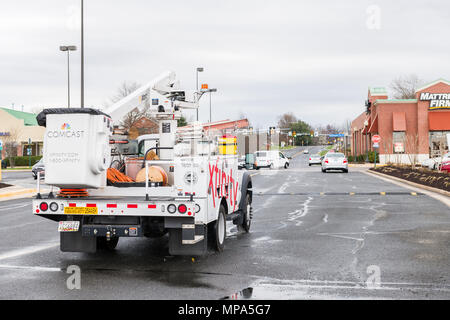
65 126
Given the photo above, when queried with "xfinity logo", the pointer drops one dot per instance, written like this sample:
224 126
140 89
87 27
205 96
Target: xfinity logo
437 100
65 132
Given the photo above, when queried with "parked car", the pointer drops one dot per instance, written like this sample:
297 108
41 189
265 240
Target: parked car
306 151
433 163
445 165
335 161
315 159
38 167
270 159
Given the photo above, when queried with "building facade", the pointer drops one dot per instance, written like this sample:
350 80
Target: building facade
411 130
21 127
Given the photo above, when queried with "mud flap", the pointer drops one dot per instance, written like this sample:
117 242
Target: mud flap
75 242
177 235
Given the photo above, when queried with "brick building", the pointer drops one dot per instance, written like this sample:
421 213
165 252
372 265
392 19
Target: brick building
410 129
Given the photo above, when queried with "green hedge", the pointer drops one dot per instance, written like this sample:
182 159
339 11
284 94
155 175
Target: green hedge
23 161
362 158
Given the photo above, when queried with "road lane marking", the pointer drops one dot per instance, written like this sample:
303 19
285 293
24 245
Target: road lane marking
32 268
27 250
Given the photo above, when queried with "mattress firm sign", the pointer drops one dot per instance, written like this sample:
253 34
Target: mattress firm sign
437 100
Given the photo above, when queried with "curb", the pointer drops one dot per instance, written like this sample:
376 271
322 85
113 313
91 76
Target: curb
417 185
17 193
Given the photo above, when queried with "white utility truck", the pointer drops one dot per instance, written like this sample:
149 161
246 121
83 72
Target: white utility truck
201 186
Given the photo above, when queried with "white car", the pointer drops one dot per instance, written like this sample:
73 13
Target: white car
433 163
306 151
335 161
270 159
315 159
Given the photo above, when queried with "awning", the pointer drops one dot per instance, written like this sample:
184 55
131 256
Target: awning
439 120
398 121
374 126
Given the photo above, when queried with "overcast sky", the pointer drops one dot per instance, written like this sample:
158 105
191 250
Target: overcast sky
313 58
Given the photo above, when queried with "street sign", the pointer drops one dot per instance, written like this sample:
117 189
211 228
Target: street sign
28 151
376 139
376 145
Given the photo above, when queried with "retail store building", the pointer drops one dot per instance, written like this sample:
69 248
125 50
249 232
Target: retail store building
21 127
410 129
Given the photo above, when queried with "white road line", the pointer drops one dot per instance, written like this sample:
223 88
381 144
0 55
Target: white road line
4 208
32 268
27 250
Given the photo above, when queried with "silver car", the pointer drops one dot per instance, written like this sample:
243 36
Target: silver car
335 161
315 159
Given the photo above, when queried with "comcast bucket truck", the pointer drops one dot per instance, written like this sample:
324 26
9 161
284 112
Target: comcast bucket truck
184 183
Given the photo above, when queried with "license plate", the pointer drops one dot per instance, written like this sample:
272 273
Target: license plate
80 210
68 226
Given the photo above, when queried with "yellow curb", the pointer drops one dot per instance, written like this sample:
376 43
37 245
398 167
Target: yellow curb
352 193
383 193
16 193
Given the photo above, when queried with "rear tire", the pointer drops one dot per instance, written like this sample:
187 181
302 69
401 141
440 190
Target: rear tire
345 171
217 231
247 214
105 245
286 165
324 170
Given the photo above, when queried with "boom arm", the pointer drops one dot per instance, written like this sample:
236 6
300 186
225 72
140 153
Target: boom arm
165 88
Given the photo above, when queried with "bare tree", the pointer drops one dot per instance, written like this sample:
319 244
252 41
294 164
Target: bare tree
11 142
132 117
124 90
286 120
405 87
412 148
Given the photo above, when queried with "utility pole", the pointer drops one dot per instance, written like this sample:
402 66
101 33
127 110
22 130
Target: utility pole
82 56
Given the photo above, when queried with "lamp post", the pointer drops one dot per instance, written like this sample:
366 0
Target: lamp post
82 56
199 69
68 49
210 91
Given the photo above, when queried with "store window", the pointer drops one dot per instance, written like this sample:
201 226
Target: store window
438 143
398 141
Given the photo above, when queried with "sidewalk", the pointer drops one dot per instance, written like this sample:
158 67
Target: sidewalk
363 165
15 192
438 194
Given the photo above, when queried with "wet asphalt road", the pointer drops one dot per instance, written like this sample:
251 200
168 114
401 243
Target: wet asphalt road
303 244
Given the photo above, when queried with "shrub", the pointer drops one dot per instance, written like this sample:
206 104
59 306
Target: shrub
23 161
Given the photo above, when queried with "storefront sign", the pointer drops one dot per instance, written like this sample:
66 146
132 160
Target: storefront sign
437 100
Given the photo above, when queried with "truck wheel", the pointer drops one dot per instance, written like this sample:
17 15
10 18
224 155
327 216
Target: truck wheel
247 212
217 231
286 165
103 244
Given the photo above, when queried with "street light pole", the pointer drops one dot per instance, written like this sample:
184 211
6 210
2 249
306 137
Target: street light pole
68 49
82 56
199 69
210 92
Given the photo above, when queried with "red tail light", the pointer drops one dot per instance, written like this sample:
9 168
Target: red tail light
43 206
182 208
309 159
345 160
326 160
